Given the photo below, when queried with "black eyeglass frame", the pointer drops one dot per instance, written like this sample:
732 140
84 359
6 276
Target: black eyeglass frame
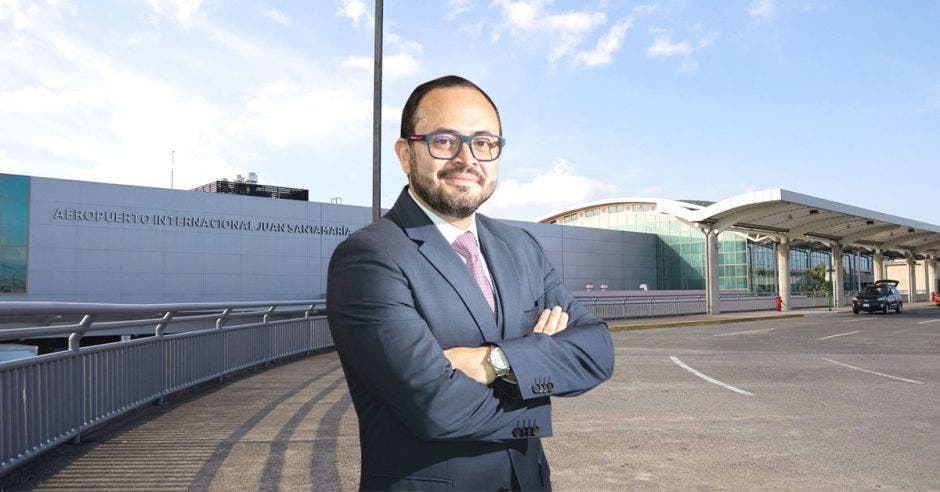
462 140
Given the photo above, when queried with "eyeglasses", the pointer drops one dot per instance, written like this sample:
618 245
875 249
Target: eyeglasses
446 145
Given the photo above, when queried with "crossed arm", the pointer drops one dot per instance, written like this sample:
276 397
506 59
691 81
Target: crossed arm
474 361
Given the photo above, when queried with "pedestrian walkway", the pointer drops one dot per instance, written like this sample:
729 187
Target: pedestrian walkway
291 427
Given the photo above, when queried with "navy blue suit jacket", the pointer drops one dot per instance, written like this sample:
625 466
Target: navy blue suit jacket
398 295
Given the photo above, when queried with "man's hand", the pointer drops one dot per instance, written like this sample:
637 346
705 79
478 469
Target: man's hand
551 321
473 362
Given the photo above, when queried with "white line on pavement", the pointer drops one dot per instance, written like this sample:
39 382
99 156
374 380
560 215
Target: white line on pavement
873 372
706 378
839 335
741 332
928 321
856 319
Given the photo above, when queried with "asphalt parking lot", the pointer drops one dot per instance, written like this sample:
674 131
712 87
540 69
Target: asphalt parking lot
831 401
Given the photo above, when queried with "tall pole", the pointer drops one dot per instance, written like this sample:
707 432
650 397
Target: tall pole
172 165
377 116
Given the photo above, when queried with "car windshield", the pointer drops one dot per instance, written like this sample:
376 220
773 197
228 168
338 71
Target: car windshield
872 290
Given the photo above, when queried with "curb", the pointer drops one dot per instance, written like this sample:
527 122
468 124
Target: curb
700 322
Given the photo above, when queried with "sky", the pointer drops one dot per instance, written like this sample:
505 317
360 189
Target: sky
599 99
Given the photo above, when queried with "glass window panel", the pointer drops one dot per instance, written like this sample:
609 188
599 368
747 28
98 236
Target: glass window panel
15 187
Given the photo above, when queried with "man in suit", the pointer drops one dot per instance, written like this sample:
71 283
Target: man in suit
453 329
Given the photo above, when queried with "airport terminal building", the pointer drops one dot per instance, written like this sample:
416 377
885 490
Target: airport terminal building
76 241
747 260
766 242
64 240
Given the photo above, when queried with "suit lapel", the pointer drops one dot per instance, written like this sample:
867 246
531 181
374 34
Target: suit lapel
445 260
505 275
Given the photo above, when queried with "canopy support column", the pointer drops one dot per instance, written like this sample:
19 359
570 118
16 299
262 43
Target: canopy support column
878 267
783 273
712 292
931 274
911 277
837 269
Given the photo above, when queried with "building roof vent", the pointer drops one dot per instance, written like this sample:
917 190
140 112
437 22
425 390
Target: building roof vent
239 179
252 178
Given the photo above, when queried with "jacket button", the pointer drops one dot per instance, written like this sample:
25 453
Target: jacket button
535 388
551 387
515 432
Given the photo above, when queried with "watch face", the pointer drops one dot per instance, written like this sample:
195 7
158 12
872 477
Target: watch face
498 360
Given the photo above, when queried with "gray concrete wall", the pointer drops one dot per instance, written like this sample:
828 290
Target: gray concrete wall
77 257
584 255
109 261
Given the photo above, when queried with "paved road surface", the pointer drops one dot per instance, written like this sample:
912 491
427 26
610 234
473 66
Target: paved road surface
831 401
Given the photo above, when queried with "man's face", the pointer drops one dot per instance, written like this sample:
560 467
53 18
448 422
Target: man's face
453 188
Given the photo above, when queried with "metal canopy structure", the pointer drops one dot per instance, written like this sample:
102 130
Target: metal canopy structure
788 219
786 215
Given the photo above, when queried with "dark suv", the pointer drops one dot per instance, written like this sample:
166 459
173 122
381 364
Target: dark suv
880 296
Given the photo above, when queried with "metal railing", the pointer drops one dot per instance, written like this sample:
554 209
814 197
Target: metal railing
48 399
624 307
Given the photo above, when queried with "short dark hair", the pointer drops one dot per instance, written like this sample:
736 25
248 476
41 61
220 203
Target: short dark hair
411 106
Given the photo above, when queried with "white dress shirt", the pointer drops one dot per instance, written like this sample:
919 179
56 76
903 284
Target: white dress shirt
451 232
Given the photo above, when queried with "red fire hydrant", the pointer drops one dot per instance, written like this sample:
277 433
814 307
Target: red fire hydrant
778 303
933 296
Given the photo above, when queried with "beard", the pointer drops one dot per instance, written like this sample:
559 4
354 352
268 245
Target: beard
461 205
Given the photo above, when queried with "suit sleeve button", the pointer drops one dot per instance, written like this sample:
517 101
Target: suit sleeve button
515 432
551 386
535 388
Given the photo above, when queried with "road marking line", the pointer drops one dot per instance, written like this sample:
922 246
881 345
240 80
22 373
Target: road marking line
856 319
839 335
928 321
741 332
873 372
706 378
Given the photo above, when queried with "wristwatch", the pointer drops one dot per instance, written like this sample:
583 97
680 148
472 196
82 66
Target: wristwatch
498 360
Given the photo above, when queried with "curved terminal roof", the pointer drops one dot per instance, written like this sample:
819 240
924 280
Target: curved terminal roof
782 214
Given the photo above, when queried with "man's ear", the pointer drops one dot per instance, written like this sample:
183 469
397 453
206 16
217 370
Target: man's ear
403 151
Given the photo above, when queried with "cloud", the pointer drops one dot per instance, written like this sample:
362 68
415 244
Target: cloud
185 11
663 47
610 43
569 30
708 41
563 32
761 8
279 17
394 67
290 112
77 110
522 14
352 9
19 16
557 187
458 7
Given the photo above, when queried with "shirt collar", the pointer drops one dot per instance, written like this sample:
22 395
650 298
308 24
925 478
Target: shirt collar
448 230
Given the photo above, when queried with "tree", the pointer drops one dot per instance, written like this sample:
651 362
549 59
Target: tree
817 283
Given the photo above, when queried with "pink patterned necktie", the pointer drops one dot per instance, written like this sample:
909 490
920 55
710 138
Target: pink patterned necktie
466 245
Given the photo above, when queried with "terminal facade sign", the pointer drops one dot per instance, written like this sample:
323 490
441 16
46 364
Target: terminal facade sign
199 222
